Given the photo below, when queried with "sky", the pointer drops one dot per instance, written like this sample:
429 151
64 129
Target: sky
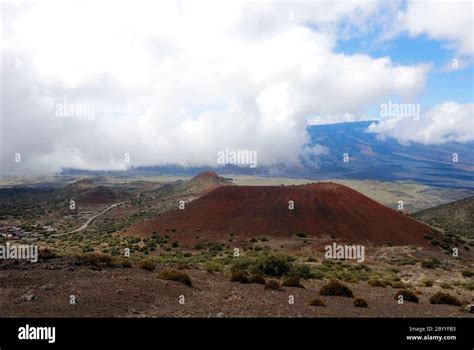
109 85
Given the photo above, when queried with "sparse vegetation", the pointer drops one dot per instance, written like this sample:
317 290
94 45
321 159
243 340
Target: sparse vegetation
126 264
316 302
426 282
468 285
147 265
342 271
292 281
240 276
272 285
431 264
401 285
337 289
407 295
257 278
212 266
444 298
360 302
407 261
445 285
46 254
375 282
273 264
95 259
177 276
259 261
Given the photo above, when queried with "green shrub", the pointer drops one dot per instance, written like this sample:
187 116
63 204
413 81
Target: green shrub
393 270
360 302
257 278
46 254
318 274
127 264
177 276
444 298
316 302
243 263
272 285
147 265
426 282
273 265
468 285
87 249
431 264
292 281
303 271
467 273
401 285
212 266
95 259
408 261
445 285
375 282
240 276
336 288
407 296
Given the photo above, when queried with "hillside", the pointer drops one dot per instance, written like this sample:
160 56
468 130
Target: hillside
456 218
320 209
86 192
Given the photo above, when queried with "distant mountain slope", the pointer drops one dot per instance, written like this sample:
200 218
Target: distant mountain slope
321 209
79 186
455 218
86 192
200 184
369 158
203 183
387 160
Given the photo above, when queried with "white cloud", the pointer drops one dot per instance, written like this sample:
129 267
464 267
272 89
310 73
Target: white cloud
443 123
451 21
339 118
175 84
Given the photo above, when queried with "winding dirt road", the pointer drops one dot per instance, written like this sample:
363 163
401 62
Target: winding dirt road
92 218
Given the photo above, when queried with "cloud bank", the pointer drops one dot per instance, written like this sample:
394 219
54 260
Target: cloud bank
175 83
447 122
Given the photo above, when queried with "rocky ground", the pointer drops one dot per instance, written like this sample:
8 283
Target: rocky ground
45 289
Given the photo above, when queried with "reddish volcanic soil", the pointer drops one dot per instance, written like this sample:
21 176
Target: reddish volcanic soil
319 209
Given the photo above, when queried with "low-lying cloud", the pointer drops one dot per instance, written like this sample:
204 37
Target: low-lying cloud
447 122
176 83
